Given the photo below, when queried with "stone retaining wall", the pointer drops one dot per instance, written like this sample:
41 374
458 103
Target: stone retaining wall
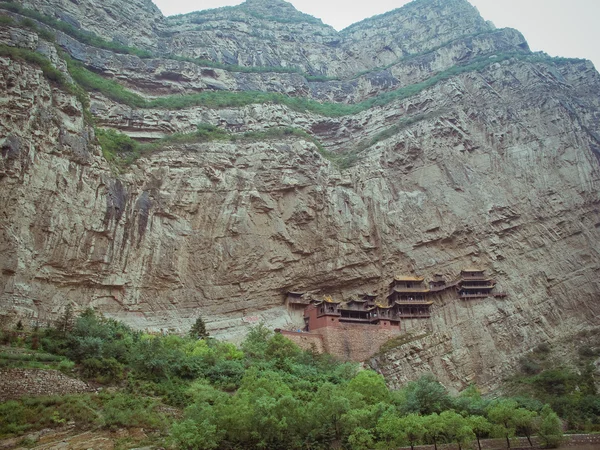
306 341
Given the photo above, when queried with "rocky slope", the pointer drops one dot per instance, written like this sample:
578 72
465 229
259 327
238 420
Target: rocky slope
493 161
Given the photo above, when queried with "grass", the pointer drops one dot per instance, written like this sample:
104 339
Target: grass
224 99
35 360
51 73
121 150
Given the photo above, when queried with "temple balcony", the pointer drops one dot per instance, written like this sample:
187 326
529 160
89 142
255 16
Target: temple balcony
413 301
371 320
476 295
415 316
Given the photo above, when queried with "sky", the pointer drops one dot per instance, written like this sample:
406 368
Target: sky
558 27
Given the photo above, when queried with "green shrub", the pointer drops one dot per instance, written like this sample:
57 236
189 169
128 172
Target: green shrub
50 72
111 89
105 370
124 410
6 20
115 144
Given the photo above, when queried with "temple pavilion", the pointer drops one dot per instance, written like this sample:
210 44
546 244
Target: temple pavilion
364 310
410 297
475 284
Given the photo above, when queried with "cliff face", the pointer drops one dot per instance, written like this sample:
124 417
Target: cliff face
491 161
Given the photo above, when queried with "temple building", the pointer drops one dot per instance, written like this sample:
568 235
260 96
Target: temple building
438 283
474 284
364 310
325 313
410 297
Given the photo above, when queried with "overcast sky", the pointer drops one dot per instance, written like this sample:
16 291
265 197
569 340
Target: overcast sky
558 27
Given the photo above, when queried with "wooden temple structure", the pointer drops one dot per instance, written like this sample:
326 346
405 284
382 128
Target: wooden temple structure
409 298
475 284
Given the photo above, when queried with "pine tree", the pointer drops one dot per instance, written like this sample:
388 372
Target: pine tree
65 322
198 330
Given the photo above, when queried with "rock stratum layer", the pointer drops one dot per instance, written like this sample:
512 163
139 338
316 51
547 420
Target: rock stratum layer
471 151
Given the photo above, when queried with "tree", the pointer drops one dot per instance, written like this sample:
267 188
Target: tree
198 330
426 396
456 428
413 428
328 407
65 322
434 428
389 428
525 422
501 414
549 428
256 342
361 439
480 426
371 387
470 402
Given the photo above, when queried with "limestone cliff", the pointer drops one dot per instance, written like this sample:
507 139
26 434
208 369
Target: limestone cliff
469 150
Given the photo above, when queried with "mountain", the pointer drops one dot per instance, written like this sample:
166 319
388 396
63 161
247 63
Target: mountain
272 153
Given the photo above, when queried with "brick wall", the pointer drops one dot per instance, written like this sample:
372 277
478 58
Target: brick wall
353 342
348 342
306 341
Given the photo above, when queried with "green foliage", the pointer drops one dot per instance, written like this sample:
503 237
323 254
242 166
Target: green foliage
425 396
65 321
370 386
116 145
510 418
269 394
549 428
123 410
105 370
256 342
225 99
49 71
6 20
91 81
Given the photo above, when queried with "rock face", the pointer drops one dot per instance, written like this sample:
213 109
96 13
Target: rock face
492 161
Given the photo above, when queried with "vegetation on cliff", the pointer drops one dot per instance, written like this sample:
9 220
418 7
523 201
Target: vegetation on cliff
121 150
268 393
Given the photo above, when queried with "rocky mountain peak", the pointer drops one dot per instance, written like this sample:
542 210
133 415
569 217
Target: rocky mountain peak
278 10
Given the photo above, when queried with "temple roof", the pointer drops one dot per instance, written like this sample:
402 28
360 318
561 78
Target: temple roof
407 278
472 269
380 306
296 294
416 290
328 299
